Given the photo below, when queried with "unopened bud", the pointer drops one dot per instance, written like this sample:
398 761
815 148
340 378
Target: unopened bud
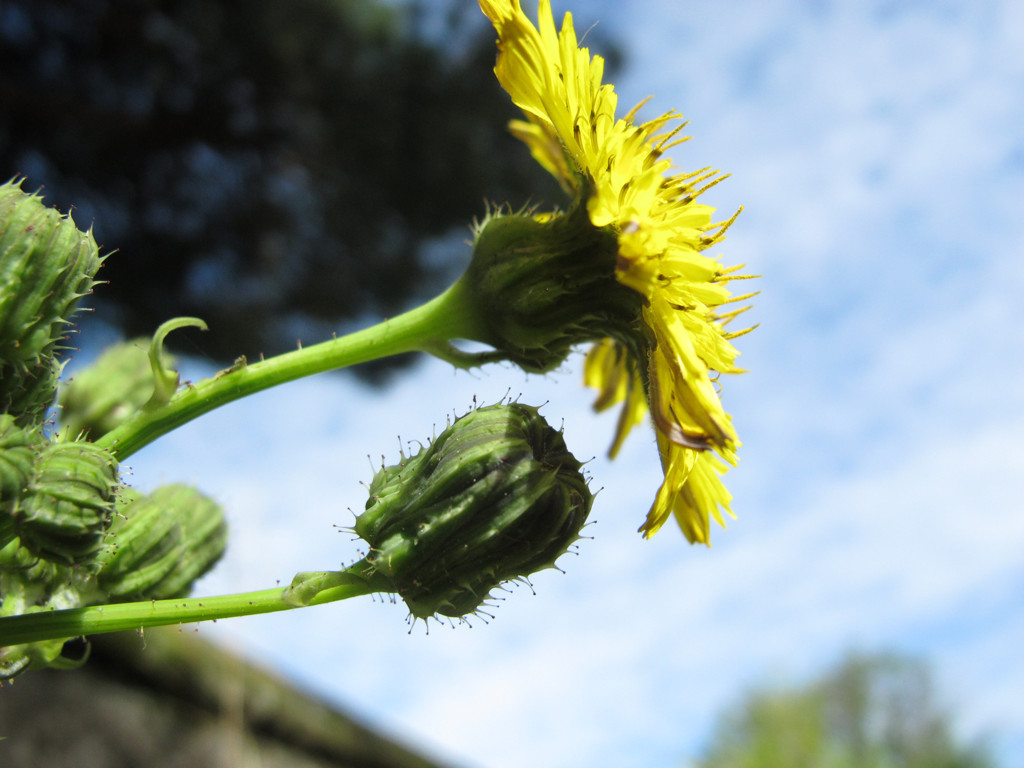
143 543
69 503
18 447
110 390
46 266
495 497
545 284
161 543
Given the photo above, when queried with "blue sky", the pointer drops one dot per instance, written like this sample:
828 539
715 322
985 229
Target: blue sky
878 151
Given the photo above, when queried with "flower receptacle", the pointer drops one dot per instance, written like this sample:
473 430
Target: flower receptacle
544 284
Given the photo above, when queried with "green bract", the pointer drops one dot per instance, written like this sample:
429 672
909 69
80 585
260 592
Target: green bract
496 496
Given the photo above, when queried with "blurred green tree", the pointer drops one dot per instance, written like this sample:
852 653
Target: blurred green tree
276 168
870 712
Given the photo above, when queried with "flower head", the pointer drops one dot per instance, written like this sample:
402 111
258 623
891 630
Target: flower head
669 362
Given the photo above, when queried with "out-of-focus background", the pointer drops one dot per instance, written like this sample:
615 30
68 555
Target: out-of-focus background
291 170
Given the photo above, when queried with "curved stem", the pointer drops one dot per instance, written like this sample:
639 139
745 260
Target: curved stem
427 328
116 617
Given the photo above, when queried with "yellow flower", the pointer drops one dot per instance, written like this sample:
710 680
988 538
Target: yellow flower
670 365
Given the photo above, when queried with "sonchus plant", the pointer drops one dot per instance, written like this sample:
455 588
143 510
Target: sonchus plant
494 498
623 270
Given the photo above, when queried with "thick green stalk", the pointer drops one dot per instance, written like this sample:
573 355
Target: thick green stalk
428 328
116 617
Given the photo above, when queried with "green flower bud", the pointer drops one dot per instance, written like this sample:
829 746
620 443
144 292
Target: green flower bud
545 284
142 546
18 449
110 390
496 496
46 266
161 543
69 503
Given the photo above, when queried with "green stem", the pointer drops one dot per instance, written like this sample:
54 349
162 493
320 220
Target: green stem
116 617
428 328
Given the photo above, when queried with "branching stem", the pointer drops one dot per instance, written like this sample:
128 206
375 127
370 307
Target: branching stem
428 328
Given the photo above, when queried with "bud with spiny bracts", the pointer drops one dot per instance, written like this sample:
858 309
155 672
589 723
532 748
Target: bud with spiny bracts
159 544
46 265
110 390
544 284
18 449
495 497
68 504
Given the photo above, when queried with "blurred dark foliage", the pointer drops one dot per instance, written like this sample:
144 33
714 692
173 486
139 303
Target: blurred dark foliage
276 167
